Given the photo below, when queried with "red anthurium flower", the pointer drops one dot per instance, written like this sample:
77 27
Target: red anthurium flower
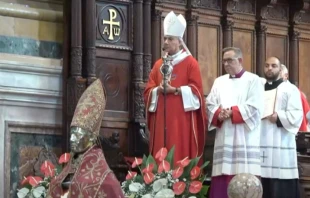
137 162
148 177
25 181
176 173
130 175
178 187
161 154
50 172
164 166
148 168
195 172
34 181
195 187
64 158
184 162
46 166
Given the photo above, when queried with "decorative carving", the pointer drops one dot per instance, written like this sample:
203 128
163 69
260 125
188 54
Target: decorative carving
244 6
294 35
195 3
139 107
192 19
110 143
227 24
76 61
156 16
278 12
111 83
147 62
90 56
213 4
305 17
264 12
137 67
231 5
175 1
261 28
75 88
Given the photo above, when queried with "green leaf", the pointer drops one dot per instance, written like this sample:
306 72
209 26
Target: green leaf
204 191
144 162
189 167
151 160
139 179
170 157
204 165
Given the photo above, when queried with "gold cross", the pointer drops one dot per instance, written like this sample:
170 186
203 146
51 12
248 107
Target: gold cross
111 22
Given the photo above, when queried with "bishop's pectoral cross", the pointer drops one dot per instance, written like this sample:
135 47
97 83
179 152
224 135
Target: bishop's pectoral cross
264 156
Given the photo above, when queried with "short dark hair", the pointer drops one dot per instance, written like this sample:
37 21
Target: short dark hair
238 53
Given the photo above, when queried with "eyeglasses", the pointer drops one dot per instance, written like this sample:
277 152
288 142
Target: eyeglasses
229 60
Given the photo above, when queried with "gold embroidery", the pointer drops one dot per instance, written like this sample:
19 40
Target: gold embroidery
89 110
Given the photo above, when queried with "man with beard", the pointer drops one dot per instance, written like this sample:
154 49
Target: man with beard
278 131
235 106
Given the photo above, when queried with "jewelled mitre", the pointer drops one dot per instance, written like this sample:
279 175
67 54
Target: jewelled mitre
174 25
90 108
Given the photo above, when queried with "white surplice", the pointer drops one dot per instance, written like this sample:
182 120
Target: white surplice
236 147
278 144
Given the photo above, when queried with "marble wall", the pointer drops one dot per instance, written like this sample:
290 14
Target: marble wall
31 37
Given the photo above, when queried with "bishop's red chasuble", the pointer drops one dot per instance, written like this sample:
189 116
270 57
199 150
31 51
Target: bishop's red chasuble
185 130
92 178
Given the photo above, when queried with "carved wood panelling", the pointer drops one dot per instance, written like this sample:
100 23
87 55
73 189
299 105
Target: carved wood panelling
277 46
304 72
245 40
278 12
209 53
212 4
114 75
244 6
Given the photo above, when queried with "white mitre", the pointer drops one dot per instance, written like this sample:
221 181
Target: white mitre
174 25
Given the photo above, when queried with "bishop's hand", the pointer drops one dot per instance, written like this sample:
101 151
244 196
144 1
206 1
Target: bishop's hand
169 88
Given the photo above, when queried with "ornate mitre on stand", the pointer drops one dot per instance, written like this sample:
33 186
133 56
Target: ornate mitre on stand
92 176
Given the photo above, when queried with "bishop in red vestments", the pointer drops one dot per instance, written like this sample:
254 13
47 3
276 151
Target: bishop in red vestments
185 105
87 174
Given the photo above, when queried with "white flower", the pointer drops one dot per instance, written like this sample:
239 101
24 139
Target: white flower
159 184
147 196
135 187
165 193
192 197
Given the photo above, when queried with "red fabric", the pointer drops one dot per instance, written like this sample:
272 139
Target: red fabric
215 121
92 178
185 130
236 117
305 108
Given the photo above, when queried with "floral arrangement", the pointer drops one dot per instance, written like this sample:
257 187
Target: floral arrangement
160 178
36 187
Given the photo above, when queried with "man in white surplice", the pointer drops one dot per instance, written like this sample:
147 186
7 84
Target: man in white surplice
278 131
234 108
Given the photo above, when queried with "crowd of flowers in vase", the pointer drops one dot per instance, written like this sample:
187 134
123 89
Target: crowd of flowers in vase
35 186
159 177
